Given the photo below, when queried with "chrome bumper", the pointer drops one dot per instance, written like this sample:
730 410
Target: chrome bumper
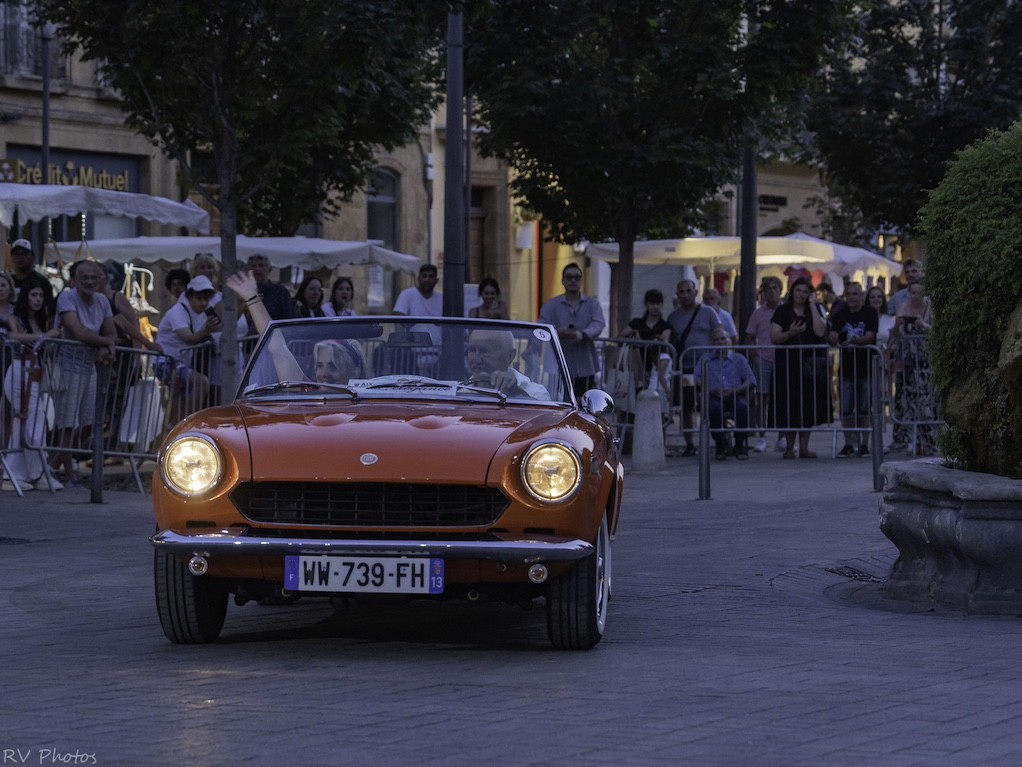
237 544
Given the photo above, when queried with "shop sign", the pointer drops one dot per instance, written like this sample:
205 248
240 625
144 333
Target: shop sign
70 173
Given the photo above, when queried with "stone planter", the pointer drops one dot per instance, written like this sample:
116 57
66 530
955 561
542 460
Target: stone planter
959 536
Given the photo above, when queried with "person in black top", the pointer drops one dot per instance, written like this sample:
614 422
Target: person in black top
24 261
801 377
275 297
853 326
652 326
656 360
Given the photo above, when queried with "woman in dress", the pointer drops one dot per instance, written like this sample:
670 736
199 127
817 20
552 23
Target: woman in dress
309 298
802 398
491 308
29 324
917 398
342 299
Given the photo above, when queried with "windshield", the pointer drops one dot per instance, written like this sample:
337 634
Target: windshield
387 357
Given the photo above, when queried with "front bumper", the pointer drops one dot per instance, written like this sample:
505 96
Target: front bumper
231 543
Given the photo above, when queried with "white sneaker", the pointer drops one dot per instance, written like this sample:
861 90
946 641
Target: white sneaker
42 484
781 446
25 485
759 445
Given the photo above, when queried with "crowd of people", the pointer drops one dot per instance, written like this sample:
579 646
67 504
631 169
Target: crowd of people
60 397
783 384
784 379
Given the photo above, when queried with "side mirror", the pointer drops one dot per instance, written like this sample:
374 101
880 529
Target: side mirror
597 402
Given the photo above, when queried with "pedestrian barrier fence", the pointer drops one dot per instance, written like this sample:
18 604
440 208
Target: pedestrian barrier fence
59 402
844 391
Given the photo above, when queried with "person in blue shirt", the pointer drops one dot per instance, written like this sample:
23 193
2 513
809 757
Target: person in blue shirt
729 379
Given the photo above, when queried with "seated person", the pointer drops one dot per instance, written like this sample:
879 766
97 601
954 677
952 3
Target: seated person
490 357
338 361
335 361
729 379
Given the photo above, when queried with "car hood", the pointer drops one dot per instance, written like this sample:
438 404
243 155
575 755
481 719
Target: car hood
429 442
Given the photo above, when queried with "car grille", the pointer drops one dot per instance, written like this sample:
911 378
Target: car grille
369 504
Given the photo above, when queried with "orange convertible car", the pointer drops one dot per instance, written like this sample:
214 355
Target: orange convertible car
431 458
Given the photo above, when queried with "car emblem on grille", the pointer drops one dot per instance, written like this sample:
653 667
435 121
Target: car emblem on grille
368 459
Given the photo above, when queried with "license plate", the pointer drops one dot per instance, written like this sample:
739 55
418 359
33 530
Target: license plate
364 575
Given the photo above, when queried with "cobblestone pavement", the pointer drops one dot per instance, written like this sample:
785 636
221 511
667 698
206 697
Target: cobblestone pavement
747 629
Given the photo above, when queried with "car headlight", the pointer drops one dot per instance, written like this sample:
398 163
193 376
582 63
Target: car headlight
192 465
551 472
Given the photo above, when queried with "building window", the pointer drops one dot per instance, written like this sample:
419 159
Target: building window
381 208
21 46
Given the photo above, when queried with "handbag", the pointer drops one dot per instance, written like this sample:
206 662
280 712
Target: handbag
619 381
142 421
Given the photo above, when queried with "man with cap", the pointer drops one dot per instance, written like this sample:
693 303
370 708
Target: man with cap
185 325
275 297
24 261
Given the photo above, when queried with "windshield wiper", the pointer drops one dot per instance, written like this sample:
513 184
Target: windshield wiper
484 390
305 385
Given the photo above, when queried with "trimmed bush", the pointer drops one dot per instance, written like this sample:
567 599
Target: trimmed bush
972 225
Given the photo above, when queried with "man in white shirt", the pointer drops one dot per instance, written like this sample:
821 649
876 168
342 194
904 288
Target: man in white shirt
186 325
423 300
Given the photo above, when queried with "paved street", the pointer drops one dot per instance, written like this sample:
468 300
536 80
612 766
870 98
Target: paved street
746 629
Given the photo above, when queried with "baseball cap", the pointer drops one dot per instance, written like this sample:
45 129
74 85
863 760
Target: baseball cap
201 284
21 245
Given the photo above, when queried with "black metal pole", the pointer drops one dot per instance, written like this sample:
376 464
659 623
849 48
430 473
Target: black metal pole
454 176
749 215
46 33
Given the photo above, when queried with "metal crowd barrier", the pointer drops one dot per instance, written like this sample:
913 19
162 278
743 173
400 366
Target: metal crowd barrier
624 370
823 381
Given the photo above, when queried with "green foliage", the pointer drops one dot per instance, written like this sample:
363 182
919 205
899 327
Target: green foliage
973 229
621 118
289 98
917 81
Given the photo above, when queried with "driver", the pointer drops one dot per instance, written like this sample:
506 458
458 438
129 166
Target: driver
490 354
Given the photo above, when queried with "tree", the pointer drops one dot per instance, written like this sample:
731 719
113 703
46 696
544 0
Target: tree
289 99
621 118
973 228
918 80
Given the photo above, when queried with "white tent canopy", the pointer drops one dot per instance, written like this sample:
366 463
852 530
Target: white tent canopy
305 252
724 253
34 202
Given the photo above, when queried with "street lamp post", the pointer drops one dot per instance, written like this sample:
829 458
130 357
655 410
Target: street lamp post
454 195
46 33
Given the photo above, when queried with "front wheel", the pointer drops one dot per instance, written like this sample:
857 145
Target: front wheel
191 608
576 603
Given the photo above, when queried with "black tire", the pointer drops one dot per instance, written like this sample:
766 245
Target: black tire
576 603
191 608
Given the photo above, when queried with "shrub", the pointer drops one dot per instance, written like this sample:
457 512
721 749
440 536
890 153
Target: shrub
972 225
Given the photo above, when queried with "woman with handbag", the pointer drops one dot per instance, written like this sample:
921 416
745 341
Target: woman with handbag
656 360
801 372
29 325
